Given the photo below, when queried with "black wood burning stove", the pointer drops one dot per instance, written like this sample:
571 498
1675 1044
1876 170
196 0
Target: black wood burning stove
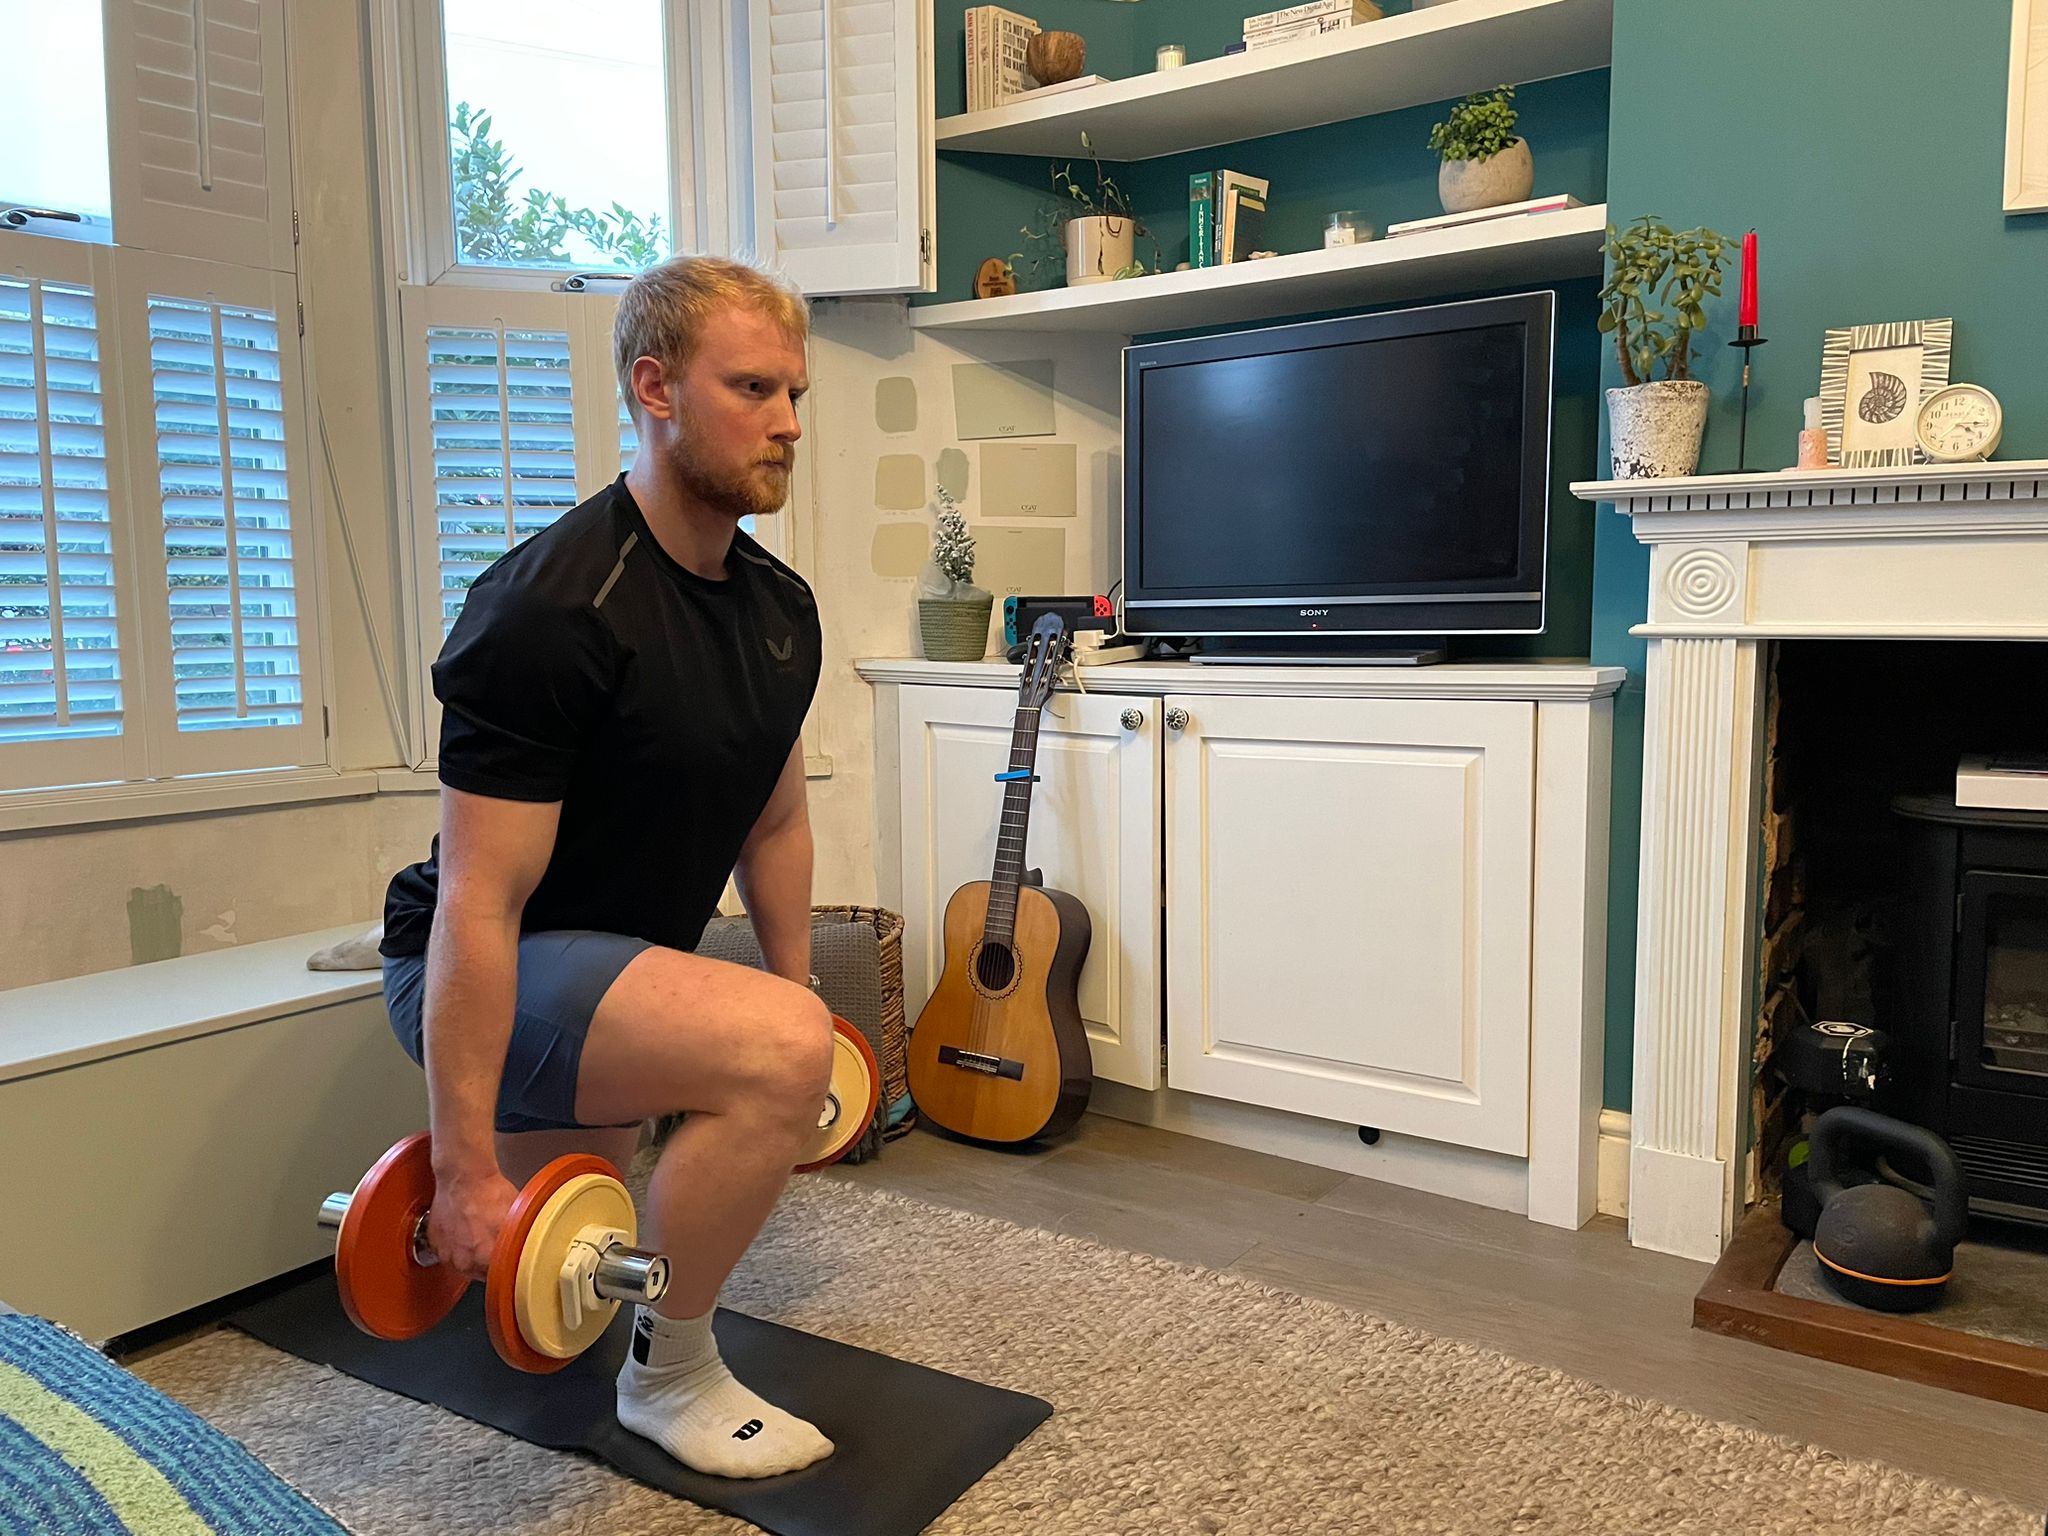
1963 993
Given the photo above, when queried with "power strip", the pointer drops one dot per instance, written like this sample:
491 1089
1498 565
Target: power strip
1099 655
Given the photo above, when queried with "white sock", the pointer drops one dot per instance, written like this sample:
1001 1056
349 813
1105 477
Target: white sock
674 1389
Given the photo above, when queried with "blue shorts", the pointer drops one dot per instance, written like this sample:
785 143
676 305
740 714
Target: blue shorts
563 976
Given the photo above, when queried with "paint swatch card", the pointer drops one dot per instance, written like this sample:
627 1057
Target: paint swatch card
1029 479
1003 399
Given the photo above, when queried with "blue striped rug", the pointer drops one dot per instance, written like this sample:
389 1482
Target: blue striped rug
86 1449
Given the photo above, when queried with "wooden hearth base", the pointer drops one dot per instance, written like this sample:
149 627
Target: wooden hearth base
1738 1300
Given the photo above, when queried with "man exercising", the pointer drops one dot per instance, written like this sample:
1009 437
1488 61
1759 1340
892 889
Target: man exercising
621 699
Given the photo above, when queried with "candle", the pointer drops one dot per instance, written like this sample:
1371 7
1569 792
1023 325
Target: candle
1747 314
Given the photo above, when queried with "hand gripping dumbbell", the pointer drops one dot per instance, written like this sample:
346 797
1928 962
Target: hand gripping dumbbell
563 1263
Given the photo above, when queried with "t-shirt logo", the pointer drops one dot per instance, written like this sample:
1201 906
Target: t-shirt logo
781 652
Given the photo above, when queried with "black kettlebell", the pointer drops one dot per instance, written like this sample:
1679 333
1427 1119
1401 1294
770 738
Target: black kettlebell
1876 1243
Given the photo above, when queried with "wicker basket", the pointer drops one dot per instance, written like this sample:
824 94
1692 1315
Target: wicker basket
894 1049
953 629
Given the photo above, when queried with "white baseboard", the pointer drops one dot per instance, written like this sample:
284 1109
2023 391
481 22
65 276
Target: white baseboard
1459 1173
1676 1203
1613 1196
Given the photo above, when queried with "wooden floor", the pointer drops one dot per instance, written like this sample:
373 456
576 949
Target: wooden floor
1584 1302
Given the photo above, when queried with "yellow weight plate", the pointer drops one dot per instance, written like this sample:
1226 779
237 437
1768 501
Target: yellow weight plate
851 1099
590 1199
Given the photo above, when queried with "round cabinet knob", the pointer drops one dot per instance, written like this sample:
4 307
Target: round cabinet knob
1132 719
1176 719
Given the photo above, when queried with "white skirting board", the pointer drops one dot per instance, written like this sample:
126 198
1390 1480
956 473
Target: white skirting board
1458 1173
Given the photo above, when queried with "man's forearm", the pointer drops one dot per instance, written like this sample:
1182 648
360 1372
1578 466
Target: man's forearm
774 880
472 982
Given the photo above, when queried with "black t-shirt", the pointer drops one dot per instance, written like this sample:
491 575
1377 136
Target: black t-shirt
588 667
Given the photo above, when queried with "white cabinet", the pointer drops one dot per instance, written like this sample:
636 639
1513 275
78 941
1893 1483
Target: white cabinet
1094 833
1347 897
1357 896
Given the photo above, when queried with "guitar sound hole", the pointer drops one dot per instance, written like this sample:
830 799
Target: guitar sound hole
995 967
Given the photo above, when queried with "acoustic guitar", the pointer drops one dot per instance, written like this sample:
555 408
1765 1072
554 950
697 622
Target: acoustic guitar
999 1053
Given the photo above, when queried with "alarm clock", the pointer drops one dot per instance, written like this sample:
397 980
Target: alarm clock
1959 423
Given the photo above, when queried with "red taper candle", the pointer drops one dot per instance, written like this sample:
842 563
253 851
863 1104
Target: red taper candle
1747 315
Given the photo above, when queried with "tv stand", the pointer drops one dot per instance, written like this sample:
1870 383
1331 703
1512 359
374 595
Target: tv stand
1315 651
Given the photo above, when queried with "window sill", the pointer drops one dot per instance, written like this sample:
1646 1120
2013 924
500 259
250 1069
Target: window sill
40 810
54 810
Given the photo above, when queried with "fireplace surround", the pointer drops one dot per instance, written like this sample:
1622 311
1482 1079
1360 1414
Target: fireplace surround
1929 552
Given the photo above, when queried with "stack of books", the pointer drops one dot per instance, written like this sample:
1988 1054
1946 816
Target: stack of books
1226 217
1312 18
996 39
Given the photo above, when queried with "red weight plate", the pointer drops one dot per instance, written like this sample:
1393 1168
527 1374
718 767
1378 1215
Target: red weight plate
859 1042
384 1289
501 1311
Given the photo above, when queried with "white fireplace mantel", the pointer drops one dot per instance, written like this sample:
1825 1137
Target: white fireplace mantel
1922 552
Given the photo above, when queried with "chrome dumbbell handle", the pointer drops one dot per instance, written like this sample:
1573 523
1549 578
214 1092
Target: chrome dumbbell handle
623 1273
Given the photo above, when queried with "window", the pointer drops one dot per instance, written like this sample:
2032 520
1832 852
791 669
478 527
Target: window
533 184
53 120
155 563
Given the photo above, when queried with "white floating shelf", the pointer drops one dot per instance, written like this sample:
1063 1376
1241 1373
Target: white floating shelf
1430 54
1522 248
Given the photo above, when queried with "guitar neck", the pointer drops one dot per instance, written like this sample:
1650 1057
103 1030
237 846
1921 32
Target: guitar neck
1001 924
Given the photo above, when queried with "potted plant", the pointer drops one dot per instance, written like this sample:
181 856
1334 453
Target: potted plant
1655 424
952 612
1094 231
1485 163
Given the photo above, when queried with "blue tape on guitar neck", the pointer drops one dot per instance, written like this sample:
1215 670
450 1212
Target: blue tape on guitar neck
1016 774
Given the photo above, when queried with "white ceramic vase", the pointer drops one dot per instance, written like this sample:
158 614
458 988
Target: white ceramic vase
1098 247
1654 429
1464 185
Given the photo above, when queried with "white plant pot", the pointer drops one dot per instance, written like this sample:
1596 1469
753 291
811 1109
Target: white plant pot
1654 429
1464 185
1098 248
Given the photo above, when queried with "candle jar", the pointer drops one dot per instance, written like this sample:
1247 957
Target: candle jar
1346 228
1171 56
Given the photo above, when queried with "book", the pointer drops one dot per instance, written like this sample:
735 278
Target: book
1244 223
997 38
1279 37
1311 10
1224 221
2003 781
1480 215
1202 219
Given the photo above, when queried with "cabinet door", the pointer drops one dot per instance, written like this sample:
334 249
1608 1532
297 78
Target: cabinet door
1094 832
1348 910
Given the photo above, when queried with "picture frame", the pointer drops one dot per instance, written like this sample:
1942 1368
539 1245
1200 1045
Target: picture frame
2026 110
1872 380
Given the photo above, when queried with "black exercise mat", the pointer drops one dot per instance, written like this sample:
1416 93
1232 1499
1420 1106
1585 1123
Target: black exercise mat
910 1440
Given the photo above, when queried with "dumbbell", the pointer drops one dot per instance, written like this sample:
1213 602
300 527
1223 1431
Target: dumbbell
563 1263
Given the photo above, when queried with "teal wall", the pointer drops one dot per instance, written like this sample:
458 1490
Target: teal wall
1864 140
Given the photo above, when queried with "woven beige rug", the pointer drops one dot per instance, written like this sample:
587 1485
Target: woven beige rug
1187 1401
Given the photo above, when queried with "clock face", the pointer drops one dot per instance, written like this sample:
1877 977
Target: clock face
1960 422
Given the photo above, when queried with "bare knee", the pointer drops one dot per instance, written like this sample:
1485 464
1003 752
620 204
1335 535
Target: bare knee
791 1056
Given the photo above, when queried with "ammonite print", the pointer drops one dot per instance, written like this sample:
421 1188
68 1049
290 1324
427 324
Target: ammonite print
1885 398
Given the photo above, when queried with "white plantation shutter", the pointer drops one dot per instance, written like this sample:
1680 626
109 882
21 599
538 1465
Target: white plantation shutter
605 439
225 564
63 699
492 399
200 151
840 142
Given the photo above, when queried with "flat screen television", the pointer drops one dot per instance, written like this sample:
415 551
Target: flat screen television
1379 475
